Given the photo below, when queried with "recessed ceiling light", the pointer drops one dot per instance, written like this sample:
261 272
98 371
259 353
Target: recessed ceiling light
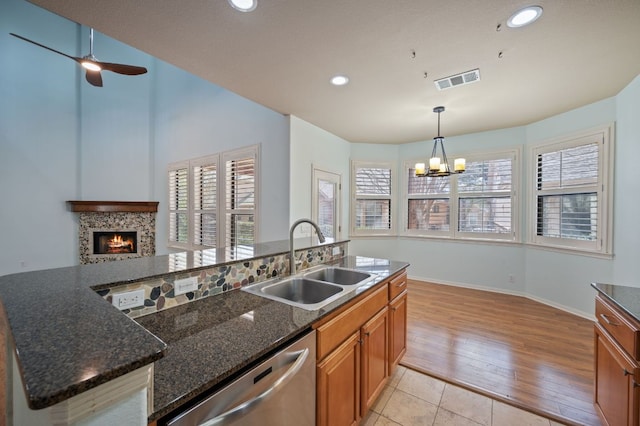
339 80
524 16
244 5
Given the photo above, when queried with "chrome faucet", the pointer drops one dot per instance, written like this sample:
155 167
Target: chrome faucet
292 260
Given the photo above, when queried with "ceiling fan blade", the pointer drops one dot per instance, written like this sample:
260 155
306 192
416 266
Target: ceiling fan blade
94 78
46 47
122 68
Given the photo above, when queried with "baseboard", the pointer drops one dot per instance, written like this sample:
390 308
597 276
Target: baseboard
568 309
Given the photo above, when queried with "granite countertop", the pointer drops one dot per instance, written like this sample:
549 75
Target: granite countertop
68 340
627 298
211 339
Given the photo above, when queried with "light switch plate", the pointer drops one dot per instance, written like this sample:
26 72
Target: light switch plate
336 251
185 285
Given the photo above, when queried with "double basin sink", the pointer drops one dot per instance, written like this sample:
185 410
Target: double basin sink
312 289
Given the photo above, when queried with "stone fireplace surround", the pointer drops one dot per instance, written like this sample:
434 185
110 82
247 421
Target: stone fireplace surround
138 216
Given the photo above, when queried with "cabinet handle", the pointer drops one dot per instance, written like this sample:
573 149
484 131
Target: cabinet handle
626 372
394 309
607 320
367 334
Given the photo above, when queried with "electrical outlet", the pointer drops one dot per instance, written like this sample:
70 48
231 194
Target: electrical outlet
336 251
128 299
185 285
512 278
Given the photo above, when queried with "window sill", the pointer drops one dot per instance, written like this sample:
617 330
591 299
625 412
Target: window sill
569 250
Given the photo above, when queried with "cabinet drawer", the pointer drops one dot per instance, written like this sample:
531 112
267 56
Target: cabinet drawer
334 332
397 285
624 330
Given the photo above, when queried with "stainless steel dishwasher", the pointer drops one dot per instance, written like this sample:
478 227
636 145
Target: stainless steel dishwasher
279 391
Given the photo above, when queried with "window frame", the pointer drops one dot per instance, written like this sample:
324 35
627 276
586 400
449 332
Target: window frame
602 245
454 196
219 160
392 197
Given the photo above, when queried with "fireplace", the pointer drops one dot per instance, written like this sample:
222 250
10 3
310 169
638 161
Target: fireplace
115 230
115 242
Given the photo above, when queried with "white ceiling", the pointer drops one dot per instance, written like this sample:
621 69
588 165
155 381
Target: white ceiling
283 54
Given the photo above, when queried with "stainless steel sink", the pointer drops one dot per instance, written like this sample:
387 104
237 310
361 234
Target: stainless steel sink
298 291
302 290
341 276
313 288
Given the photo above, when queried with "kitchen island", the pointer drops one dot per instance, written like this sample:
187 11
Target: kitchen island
69 340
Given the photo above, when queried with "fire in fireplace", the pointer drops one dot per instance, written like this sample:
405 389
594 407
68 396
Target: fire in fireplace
115 242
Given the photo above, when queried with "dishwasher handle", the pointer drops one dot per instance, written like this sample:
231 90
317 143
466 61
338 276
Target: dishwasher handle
249 405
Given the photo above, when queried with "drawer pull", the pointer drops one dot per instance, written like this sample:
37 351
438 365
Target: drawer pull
400 284
607 320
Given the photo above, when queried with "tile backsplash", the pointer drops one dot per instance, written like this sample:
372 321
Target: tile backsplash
159 293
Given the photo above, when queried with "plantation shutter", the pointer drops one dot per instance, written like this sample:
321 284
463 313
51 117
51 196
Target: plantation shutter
428 203
240 201
567 192
372 198
204 205
179 205
485 201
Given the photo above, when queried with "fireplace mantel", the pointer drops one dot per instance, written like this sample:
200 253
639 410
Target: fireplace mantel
114 206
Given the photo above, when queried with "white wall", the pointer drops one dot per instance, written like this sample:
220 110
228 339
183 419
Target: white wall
63 139
311 147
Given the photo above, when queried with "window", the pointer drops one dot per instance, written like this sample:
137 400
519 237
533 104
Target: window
212 201
477 204
372 198
572 200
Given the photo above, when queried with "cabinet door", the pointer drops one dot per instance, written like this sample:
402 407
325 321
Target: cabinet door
397 330
375 360
338 376
615 392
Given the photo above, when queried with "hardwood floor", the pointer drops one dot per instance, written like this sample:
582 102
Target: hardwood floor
507 347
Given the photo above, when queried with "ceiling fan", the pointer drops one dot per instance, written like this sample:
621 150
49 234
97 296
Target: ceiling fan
91 64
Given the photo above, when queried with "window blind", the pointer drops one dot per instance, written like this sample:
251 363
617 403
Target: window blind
485 203
240 201
372 206
179 205
212 200
205 205
478 203
567 199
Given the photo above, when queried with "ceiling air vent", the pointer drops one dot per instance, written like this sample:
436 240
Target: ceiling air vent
458 79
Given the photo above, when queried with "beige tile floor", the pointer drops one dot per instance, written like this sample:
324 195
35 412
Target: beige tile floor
412 398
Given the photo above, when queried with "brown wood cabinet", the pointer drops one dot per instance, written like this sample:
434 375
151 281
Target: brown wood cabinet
338 385
354 353
617 381
397 330
375 358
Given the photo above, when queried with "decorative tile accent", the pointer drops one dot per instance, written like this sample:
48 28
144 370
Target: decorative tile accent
159 292
143 223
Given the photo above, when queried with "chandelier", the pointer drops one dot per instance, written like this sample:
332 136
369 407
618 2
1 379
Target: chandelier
439 164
